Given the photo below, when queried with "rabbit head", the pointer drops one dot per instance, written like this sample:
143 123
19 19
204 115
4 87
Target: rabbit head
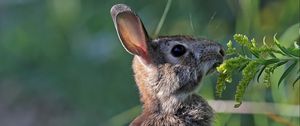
165 66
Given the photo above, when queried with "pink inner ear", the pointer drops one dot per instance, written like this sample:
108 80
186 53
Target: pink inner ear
132 34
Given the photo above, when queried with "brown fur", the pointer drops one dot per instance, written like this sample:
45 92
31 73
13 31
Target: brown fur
166 82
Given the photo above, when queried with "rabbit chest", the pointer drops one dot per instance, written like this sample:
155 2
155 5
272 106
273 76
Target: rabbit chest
194 111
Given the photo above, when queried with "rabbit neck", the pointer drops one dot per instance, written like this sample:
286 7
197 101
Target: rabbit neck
148 98
161 102
170 104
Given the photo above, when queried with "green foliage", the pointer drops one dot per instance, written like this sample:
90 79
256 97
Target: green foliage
67 53
259 60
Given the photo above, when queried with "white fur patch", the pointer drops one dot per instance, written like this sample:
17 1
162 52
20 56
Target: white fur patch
170 104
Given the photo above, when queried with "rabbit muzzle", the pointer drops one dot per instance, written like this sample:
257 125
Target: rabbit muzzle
212 57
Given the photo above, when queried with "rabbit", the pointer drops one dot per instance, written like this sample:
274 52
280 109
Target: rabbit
167 70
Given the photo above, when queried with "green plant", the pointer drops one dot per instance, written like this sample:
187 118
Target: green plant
254 60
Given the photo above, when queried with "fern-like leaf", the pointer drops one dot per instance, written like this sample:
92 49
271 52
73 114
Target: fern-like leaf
288 70
298 78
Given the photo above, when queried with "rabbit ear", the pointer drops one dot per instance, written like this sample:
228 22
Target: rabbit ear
130 30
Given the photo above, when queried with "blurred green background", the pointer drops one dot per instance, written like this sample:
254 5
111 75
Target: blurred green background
61 63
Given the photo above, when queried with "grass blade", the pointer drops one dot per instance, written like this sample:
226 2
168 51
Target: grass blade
270 61
288 70
298 78
260 72
294 51
254 53
162 19
279 64
282 48
272 55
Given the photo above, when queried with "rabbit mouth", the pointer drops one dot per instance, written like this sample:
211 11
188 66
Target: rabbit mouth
213 67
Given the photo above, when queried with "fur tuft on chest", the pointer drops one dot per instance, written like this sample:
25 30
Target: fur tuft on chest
195 111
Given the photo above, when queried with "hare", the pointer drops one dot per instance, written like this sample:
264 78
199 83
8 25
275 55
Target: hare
167 71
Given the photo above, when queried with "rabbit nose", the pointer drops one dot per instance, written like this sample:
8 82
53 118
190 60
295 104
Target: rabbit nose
222 52
217 49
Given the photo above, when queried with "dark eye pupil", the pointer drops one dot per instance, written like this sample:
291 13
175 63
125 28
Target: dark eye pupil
178 50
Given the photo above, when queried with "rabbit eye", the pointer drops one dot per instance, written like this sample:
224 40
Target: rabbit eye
178 50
